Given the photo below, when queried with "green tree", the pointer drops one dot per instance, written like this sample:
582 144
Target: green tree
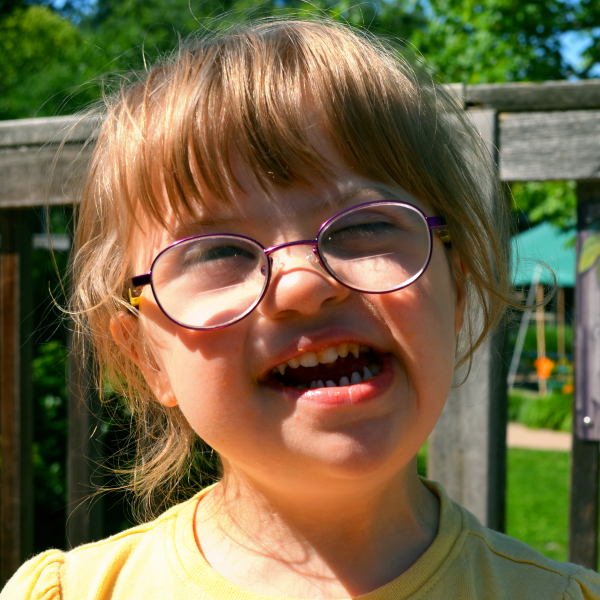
43 58
473 41
554 201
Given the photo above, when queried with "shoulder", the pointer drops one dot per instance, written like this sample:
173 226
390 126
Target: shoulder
486 564
39 578
86 570
521 571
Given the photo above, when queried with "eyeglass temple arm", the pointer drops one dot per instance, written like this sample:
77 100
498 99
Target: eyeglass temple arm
439 224
137 283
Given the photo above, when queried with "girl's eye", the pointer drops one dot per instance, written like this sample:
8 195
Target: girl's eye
363 230
223 252
203 255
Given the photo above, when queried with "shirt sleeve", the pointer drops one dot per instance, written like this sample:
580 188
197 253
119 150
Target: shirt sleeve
37 579
584 585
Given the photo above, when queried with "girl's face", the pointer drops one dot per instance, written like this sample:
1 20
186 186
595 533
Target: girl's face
281 437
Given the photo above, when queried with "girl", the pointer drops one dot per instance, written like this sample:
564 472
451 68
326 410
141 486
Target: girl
285 247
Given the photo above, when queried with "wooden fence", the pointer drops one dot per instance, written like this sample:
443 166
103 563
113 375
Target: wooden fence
548 131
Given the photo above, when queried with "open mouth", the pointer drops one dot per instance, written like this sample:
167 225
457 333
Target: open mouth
337 366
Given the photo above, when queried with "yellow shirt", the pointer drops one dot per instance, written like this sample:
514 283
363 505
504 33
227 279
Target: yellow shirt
160 561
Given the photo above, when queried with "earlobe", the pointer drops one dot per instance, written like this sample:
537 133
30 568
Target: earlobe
123 327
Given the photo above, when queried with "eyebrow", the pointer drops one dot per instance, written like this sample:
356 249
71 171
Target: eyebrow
339 201
335 203
209 222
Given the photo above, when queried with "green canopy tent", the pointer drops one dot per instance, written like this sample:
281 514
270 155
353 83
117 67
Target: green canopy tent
549 245
532 250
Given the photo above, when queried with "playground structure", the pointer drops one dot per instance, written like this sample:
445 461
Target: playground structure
535 132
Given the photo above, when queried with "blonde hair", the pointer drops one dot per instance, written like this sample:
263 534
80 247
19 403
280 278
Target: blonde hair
166 141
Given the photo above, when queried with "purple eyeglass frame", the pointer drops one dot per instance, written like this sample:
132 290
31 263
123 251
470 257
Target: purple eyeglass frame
138 282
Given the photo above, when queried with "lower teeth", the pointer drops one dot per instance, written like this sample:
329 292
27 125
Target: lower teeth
355 378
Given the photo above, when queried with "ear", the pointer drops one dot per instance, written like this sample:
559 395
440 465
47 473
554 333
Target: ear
460 281
124 328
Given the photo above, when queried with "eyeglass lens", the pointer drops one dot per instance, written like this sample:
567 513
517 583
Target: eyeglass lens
212 281
376 249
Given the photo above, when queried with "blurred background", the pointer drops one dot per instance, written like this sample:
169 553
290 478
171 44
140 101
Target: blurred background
55 58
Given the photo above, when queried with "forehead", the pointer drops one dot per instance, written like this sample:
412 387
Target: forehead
254 202
288 208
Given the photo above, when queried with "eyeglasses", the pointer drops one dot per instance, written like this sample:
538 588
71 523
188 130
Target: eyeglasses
212 281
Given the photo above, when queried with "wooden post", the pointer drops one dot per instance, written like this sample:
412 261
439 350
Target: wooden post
585 465
560 324
467 448
84 453
541 338
16 513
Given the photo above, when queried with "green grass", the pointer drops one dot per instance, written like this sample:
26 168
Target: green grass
537 500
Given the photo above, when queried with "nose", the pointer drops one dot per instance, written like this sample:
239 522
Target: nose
299 284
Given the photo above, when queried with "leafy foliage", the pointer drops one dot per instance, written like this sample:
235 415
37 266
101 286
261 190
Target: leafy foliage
547 412
471 41
43 60
554 201
590 253
52 64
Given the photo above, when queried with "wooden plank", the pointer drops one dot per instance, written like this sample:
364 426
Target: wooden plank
84 453
37 132
467 448
534 146
522 97
550 146
16 512
587 313
25 175
585 460
583 503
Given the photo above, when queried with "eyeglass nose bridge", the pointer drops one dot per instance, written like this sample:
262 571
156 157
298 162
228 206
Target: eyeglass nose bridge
313 243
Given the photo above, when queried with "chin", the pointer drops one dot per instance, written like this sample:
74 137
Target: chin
360 452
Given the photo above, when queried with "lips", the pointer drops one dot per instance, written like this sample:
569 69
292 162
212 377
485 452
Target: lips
340 396
350 369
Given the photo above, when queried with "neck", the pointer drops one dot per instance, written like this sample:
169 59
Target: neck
316 544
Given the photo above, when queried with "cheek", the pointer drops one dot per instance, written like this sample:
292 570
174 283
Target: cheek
421 319
201 369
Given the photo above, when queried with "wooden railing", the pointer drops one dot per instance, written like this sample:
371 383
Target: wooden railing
548 131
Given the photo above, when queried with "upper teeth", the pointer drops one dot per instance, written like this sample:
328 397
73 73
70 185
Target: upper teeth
328 355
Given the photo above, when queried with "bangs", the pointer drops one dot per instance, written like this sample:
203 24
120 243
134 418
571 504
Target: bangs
254 93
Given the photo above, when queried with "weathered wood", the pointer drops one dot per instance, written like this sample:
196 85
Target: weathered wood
585 460
467 448
587 314
534 146
32 176
84 510
546 146
560 323
540 329
583 504
16 512
522 97
37 132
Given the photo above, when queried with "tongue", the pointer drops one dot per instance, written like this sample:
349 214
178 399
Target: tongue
334 371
